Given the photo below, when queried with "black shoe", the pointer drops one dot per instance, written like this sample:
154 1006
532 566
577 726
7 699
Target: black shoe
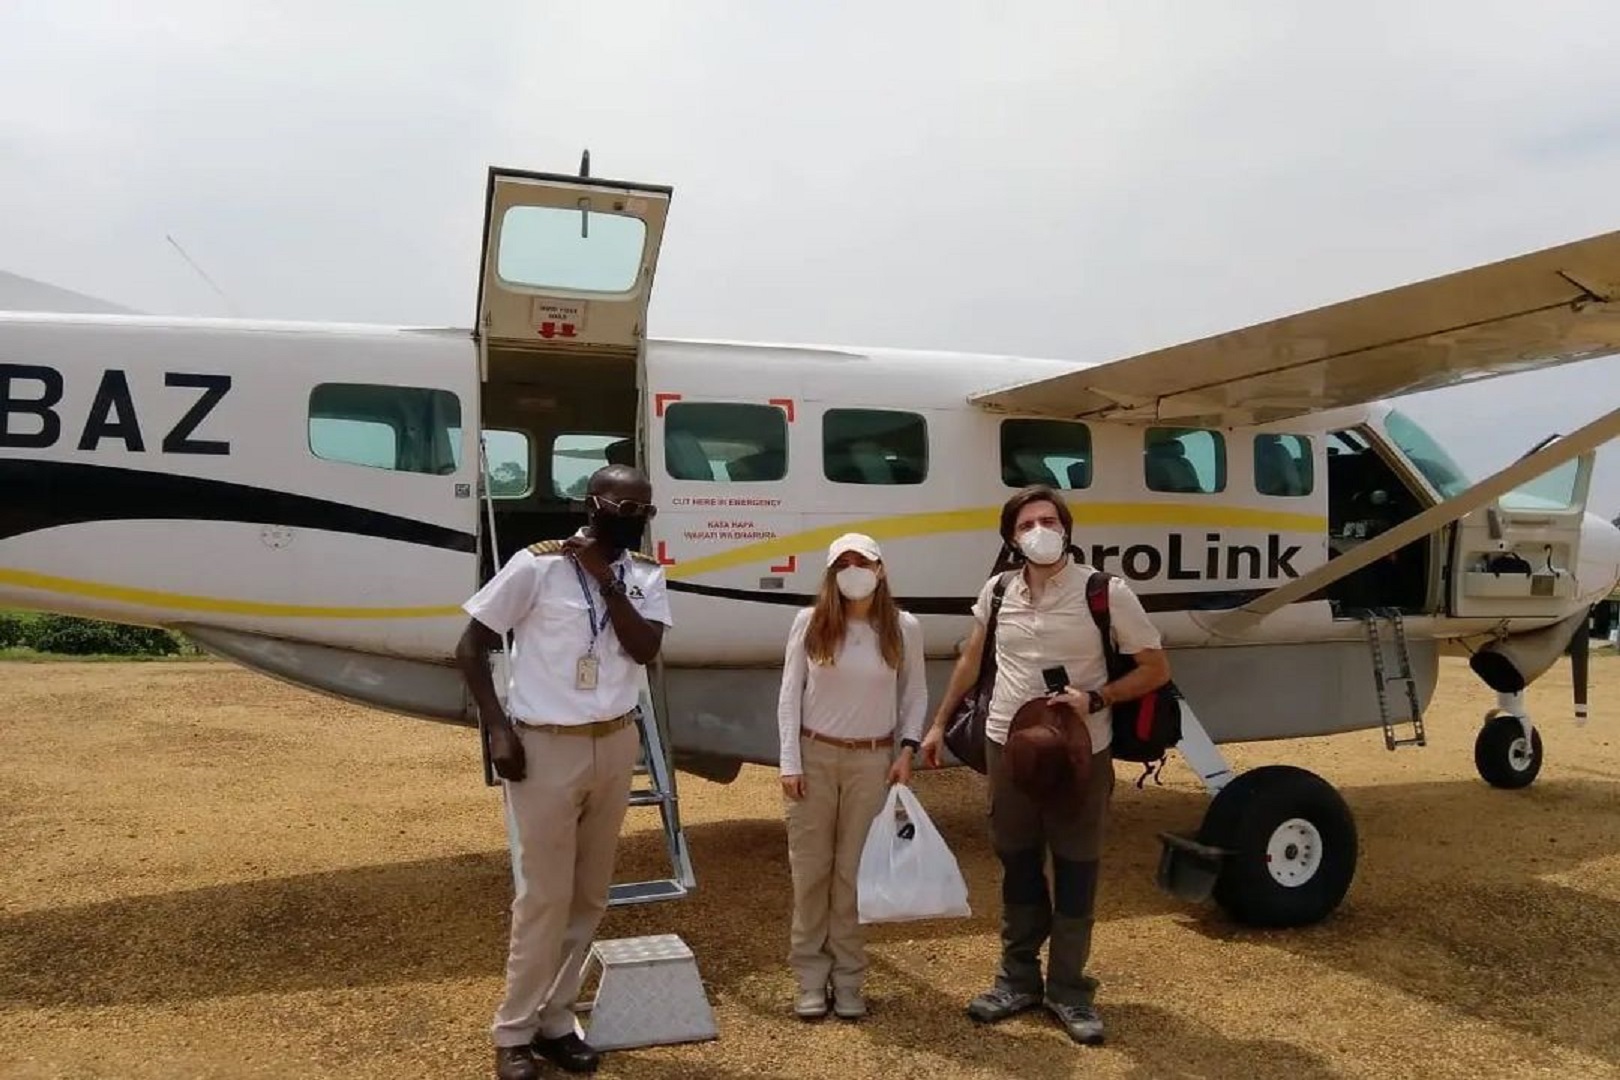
515 1063
568 1052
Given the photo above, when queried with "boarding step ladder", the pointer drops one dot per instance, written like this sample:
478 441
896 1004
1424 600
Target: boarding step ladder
1396 628
656 787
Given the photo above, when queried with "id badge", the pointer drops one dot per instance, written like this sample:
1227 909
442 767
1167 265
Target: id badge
585 673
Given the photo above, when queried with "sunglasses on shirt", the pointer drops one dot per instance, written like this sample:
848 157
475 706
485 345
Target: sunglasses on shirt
621 507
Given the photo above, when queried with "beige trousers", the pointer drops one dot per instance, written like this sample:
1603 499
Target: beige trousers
563 822
844 790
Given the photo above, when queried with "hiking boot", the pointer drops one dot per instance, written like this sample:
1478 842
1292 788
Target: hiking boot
515 1063
998 1003
1080 1021
810 1004
848 1003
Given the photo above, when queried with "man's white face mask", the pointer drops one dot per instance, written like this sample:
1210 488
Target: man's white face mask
1042 546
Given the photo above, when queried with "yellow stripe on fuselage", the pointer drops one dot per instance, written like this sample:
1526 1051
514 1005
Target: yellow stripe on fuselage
151 598
986 519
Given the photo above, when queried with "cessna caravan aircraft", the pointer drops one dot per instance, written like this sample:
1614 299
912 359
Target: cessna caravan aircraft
315 502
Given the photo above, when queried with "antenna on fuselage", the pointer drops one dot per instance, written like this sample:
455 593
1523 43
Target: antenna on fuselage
204 275
585 204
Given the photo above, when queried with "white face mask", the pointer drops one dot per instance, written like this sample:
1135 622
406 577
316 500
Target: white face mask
1041 545
857 582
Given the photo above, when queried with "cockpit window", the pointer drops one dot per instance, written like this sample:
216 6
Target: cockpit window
1428 456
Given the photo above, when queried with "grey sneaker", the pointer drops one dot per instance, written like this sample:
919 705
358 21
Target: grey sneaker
998 1003
1080 1021
848 1003
810 1004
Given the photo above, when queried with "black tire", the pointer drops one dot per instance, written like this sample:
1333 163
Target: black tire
1243 818
1499 754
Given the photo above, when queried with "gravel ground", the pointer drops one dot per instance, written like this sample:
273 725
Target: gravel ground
207 874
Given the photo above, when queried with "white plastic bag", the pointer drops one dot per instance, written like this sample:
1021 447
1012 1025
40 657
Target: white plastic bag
907 872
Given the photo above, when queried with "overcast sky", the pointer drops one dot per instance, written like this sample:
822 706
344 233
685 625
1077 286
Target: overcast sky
1065 179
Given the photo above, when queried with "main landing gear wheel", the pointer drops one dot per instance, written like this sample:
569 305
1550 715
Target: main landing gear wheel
1503 756
1291 843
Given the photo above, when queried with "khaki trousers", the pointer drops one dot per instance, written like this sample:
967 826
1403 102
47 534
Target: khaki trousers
563 822
844 790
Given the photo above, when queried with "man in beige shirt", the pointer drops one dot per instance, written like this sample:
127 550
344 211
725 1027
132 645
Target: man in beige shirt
1044 622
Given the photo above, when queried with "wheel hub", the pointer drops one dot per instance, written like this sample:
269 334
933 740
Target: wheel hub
1520 755
1294 853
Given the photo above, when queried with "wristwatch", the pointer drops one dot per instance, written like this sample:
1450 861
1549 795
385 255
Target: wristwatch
612 587
912 744
1095 702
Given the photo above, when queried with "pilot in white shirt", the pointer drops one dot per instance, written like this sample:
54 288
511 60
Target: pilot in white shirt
586 614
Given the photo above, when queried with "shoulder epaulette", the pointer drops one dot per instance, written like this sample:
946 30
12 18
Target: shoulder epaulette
641 558
546 547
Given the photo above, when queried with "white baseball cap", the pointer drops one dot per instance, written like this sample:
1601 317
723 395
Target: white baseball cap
859 543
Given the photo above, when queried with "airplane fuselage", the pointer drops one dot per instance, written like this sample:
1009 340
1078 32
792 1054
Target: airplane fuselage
306 499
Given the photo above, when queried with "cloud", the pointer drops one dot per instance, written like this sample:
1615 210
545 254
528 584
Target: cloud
1064 180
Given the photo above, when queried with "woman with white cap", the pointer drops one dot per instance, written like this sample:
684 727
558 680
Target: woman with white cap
852 684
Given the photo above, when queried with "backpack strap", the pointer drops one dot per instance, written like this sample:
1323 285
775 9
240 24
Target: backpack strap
1097 603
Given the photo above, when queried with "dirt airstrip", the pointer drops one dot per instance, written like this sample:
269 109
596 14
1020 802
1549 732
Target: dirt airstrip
207 874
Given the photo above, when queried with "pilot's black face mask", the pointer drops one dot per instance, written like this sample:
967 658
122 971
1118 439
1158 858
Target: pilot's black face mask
618 531
619 524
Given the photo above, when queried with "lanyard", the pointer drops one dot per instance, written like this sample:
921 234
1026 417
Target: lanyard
590 605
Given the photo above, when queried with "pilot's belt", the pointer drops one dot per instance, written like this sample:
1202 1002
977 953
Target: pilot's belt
850 744
595 729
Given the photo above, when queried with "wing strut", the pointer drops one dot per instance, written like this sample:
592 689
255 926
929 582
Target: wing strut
1527 468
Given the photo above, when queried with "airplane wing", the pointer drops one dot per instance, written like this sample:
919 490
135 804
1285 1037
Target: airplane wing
1549 457
1549 307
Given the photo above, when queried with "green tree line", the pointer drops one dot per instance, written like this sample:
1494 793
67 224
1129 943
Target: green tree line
64 635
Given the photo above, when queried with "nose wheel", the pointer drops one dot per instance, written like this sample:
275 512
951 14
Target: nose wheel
1502 754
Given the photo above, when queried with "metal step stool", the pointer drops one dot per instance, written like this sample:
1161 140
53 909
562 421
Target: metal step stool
649 994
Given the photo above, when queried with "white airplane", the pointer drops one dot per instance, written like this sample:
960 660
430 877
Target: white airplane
315 502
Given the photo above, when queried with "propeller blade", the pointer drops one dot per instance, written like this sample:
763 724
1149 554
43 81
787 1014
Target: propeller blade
1580 656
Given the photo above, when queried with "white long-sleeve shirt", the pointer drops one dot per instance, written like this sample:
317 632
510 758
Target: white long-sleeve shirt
858 696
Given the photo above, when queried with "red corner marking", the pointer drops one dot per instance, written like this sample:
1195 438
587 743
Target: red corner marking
663 555
792 563
786 403
660 400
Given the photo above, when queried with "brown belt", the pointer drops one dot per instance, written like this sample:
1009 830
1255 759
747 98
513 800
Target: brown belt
849 744
595 729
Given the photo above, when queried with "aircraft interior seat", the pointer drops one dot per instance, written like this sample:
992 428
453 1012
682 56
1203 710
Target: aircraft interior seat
1029 468
1275 470
870 463
684 456
1169 470
763 465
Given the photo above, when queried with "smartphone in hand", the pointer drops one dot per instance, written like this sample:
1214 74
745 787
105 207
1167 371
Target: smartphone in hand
1056 678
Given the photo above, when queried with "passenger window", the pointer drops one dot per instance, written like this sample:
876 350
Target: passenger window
874 446
1185 460
723 443
1283 465
575 456
400 428
1056 453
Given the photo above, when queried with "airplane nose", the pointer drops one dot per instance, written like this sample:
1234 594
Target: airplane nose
1599 558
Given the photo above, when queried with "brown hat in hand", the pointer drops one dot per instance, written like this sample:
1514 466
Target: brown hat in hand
1048 751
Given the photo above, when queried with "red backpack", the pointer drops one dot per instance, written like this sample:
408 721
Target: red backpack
1144 730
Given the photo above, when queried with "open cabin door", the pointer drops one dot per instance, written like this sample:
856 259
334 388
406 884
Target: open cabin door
567 266
565 279
1518 556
